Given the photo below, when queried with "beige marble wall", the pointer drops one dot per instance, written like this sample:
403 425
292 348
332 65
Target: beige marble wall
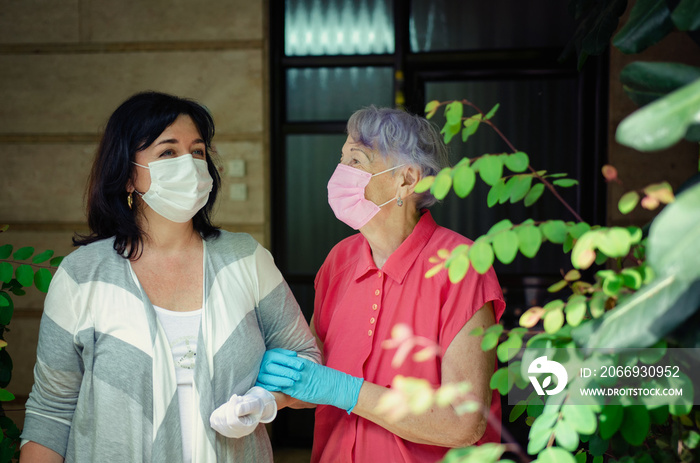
65 66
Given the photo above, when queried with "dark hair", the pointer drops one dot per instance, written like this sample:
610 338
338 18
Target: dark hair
134 126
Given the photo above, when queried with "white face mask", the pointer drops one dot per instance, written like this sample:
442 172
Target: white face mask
180 187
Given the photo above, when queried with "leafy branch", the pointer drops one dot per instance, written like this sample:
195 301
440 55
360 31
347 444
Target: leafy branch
456 122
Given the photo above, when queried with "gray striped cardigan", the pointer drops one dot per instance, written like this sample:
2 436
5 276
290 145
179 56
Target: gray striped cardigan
105 388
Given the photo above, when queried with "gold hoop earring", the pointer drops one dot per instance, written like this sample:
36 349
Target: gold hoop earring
399 201
130 200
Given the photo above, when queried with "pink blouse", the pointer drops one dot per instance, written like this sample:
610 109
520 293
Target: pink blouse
356 306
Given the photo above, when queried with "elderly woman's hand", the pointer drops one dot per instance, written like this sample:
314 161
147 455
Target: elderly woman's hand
308 381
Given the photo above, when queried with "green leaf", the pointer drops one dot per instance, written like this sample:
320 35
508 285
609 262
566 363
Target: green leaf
692 439
458 268
597 446
42 279
517 410
520 186
662 123
56 261
628 202
6 396
24 275
555 231
565 182
5 300
8 308
424 184
454 112
534 194
463 180
499 381
450 131
575 311
442 184
631 278
553 320
509 348
610 420
517 162
649 22
529 240
505 193
580 417
481 255
492 112
495 192
486 453
504 224
535 408
490 169
538 440
675 235
614 242
635 424
558 286
583 254
23 253
555 455
43 257
505 246
645 82
431 108
489 341
612 285
5 251
566 436
6 271
579 229
470 126
686 16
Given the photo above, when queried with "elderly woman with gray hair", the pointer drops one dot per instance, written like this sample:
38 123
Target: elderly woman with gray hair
374 280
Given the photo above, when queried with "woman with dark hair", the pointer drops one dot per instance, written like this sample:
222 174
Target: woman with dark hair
154 329
374 281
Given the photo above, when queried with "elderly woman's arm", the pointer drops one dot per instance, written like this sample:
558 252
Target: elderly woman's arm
463 361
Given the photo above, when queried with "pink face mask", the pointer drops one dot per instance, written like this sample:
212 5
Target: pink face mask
346 195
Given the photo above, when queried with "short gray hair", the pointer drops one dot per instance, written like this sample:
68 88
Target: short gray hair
402 138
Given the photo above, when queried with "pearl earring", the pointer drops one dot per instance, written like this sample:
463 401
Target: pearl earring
399 201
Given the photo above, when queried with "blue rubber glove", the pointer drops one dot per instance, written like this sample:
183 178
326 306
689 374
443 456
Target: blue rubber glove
308 381
279 369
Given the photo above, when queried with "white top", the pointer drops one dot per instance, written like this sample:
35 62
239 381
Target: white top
182 329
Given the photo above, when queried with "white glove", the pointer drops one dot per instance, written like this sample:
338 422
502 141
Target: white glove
241 414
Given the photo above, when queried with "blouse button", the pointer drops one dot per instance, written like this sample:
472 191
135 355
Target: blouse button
376 293
379 274
374 307
372 320
369 333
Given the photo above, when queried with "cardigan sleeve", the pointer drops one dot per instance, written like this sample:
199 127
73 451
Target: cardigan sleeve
59 368
282 321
